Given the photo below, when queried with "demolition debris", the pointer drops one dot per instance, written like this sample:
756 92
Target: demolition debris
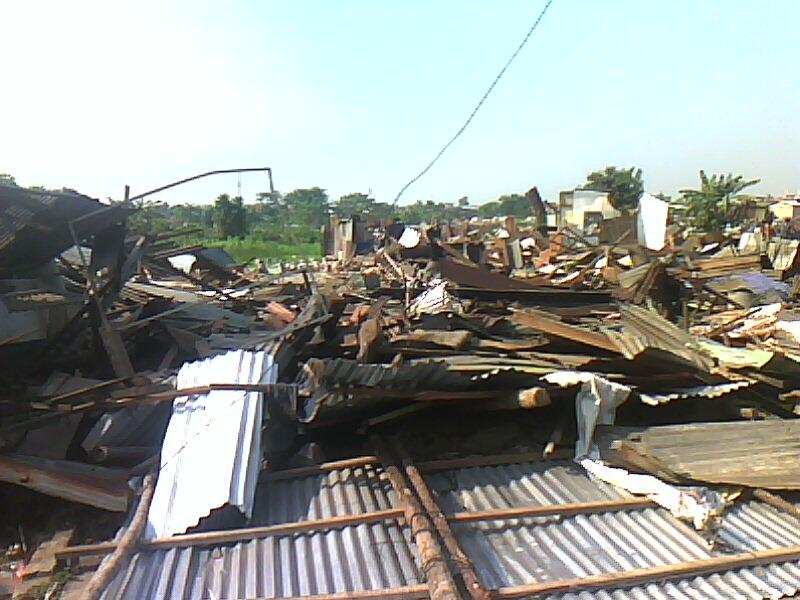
479 409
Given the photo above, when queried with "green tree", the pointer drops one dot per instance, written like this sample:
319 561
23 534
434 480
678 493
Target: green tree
7 180
624 186
362 205
710 206
354 204
514 205
229 217
307 206
489 209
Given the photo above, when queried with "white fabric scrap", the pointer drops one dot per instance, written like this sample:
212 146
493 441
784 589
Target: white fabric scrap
596 404
184 262
684 505
651 222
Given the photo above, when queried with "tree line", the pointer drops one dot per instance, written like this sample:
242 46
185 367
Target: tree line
297 217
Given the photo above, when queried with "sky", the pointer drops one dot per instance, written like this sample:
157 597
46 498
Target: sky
359 95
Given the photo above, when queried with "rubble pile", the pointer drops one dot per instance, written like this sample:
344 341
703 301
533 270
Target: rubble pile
167 384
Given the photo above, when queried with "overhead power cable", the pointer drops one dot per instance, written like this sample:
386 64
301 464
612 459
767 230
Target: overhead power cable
480 103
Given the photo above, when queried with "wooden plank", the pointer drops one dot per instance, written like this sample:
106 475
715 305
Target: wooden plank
492 460
463 564
562 330
96 486
44 560
401 593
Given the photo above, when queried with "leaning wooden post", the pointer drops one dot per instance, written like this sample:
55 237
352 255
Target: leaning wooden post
127 543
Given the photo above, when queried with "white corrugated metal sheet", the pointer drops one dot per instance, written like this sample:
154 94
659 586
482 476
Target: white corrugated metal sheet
211 452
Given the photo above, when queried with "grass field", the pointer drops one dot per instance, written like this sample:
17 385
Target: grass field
247 249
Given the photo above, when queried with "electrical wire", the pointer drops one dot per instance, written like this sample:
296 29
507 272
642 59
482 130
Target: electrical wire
478 106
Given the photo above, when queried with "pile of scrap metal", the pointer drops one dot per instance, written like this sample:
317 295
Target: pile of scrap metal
434 418
94 322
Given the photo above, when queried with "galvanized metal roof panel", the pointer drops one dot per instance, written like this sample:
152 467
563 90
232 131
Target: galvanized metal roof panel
373 556
520 551
211 451
381 556
34 223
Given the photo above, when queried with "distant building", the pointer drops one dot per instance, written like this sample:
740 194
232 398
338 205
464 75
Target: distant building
583 208
787 207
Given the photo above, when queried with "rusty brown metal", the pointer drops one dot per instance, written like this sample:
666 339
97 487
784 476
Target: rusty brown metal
441 585
211 538
649 574
352 463
466 569
552 509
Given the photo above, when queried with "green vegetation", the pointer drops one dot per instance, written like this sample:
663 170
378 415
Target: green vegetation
508 205
246 249
624 186
286 227
709 207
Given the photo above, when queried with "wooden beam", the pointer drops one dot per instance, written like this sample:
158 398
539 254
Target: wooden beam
402 593
126 545
492 460
562 330
102 487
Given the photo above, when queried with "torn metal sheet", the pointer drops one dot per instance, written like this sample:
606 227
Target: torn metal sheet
35 224
643 329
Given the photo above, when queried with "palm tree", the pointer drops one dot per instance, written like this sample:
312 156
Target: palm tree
709 206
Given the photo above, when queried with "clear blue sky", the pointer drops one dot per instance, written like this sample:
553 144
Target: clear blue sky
359 95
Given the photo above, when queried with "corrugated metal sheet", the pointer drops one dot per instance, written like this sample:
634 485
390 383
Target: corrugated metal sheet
521 551
357 558
702 391
643 329
212 449
505 552
345 373
34 223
